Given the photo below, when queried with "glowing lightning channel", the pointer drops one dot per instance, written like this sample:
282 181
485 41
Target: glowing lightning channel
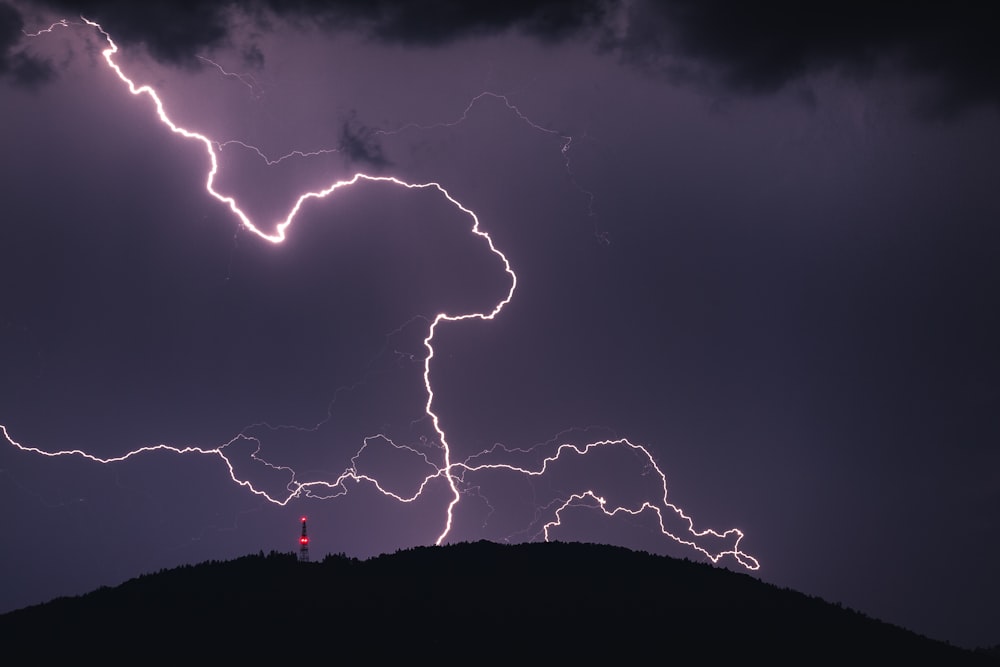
247 80
453 472
579 499
61 23
270 162
564 150
278 237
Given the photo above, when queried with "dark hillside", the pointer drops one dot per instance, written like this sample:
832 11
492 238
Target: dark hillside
465 602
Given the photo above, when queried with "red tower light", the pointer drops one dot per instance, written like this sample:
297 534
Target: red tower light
304 544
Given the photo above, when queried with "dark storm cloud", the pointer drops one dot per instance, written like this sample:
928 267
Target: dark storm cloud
28 72
253 57
358 143
746 48
11 25
17 66
173 30
761 47
433 22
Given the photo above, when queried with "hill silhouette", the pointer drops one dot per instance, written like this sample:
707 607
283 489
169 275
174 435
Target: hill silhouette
462 603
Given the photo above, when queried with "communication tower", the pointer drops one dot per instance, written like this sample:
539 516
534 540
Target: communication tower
304 544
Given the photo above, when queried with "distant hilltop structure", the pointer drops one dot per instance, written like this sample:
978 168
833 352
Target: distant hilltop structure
304 544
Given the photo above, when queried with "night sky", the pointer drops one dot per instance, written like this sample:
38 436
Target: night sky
759 242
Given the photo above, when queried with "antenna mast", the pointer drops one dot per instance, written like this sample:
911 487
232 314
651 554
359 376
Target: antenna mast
304 544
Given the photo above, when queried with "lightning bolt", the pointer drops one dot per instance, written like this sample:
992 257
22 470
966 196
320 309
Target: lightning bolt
61 23
452 472
566 144
247 80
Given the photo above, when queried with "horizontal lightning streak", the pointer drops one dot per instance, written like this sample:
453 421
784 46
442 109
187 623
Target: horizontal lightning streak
61 23
271 162
452 472
576 498
246 79
564 150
